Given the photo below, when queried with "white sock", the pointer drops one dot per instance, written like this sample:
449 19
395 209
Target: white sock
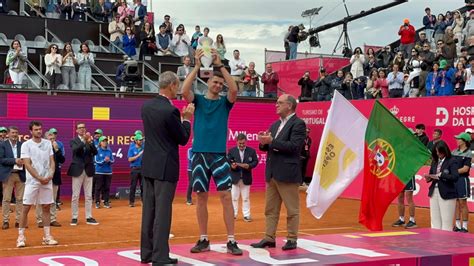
412 219
402 218
464 224
47 231
203 237
231 238
458 224
21 231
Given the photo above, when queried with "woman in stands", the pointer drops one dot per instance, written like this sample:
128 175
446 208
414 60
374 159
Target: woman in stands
148 40
349 87
442 192
439 28
220 47
449 18
129 42
459 79
357 61
123 10
68 68
85 59
79 8
458 25
128 22
16 62
336 82
370 51
370 91
66 9
430 85
381 84
53 61
399 60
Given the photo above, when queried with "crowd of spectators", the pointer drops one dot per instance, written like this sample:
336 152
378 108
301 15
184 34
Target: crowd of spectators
436 61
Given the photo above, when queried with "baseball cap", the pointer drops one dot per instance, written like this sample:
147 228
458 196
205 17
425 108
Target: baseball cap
469 130
3 129
53 131
464 136
138 132
99 131
102 138
406 21
138 137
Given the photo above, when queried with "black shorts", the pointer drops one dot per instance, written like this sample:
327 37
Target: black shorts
205 165
411 185
463 187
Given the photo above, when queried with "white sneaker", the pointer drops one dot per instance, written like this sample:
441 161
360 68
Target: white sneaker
21 242
49 241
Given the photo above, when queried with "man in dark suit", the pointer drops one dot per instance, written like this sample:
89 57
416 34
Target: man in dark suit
12 174
242 160
283 144
82 170
164 131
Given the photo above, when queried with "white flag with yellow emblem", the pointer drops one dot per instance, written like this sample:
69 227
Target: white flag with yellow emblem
340 155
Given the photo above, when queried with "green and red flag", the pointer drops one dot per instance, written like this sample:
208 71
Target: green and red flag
393 155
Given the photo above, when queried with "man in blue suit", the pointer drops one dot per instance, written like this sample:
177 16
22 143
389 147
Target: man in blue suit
12 174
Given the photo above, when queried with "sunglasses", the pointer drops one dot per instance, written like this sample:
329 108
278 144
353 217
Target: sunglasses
54 47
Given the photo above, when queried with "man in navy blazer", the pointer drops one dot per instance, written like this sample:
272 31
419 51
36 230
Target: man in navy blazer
165 129
283 144
242 160
12 174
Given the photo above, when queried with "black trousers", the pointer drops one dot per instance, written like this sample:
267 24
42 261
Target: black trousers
102 187
135 177
156 219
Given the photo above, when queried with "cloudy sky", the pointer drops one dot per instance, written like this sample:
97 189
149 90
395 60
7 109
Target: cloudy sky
253 25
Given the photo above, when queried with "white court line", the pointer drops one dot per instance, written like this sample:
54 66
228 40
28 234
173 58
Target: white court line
176 237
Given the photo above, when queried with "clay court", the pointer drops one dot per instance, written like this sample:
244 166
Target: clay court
120 226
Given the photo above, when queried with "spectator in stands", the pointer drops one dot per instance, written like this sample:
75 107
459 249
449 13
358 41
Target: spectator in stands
449 18
237 67
220 47
426 55
116 31
66 9
458 25
407 37
101 13
414 79
181 41
429 21
68 67
359 87
370 51
164 41
440 28
250 80
128 22
129 42
336 82
357 61
395 82
421 41
140 14
459 80
206 34
306 85
399 60
348 86
53 61
370 64
381 85
270 81
123 10
322 87
79 9
449 43
293 41
469 28
414 56
444 81
286 43
370 91
16 62
169 26
430 85
385 57
196 35
38 5
442 52
469 87
183 72
85 59
148 40
422 79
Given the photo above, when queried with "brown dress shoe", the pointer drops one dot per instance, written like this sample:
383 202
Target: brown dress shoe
55 223
5 226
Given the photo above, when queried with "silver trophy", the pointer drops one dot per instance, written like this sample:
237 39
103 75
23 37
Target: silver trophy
205 43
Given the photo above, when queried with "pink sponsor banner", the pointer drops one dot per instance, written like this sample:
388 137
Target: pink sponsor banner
291 71
451 114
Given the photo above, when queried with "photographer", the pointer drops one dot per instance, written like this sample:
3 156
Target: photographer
306 87
357 61
322 87
407 37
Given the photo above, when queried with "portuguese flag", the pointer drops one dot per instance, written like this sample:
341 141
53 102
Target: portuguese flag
392 157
